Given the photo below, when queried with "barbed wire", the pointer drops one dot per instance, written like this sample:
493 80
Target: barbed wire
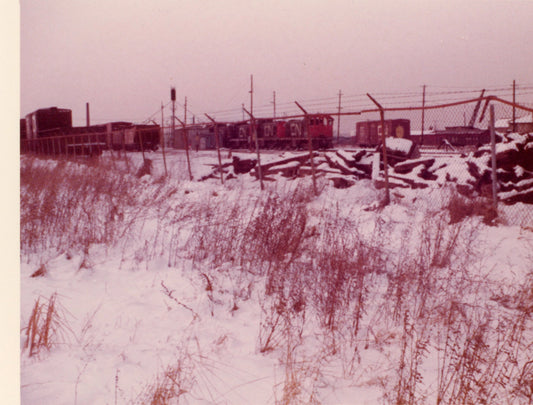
436 94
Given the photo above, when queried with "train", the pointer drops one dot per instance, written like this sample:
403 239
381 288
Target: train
271 134
50 130
368 134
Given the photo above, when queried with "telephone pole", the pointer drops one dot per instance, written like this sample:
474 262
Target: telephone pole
185 111
251 111
339 118
173 98
274 102
162 138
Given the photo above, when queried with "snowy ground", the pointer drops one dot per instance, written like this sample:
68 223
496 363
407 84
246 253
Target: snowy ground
175 307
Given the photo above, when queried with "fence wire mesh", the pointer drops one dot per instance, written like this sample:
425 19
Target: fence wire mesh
451 145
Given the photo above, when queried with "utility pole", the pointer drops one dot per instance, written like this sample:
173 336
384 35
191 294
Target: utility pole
185 112
162 139
339 118
186 139
173 98
88 115
423 113
252 133
274 102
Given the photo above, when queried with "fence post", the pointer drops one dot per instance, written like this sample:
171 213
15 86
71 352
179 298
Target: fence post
494 167
254 134
141 143
423 115
383 142
310 146
186 146
218 149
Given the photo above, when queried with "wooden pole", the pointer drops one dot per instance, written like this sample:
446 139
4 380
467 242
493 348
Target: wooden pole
274 102
173 98
217 142
162 139
88 114
339 118
252 133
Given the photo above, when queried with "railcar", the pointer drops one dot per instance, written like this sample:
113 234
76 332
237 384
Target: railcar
273 133
368 133
453 136
50 131
47 122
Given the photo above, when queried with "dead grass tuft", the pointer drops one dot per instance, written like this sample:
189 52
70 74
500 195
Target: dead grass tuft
47 326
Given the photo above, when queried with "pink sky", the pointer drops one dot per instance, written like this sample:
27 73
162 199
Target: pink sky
123 56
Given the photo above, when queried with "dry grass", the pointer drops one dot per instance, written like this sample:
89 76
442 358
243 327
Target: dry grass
338 280
47 326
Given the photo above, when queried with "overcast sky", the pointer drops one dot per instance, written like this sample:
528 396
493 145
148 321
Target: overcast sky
122 56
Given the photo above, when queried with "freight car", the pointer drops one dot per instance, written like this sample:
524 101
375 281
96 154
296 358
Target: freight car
454 136
47 122
50 131
132 137
368 133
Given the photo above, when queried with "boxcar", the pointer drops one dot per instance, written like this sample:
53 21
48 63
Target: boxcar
47 122
368 133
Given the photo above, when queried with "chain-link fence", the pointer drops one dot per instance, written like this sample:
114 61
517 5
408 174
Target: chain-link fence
429 146
451 145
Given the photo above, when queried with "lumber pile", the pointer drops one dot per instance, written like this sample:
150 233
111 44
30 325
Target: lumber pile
470 173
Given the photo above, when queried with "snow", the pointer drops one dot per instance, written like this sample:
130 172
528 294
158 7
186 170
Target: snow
399 144
141 306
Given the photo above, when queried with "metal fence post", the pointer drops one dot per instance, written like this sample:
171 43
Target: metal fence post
217 142
383 142
310 146
254 135
493 156
186 146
